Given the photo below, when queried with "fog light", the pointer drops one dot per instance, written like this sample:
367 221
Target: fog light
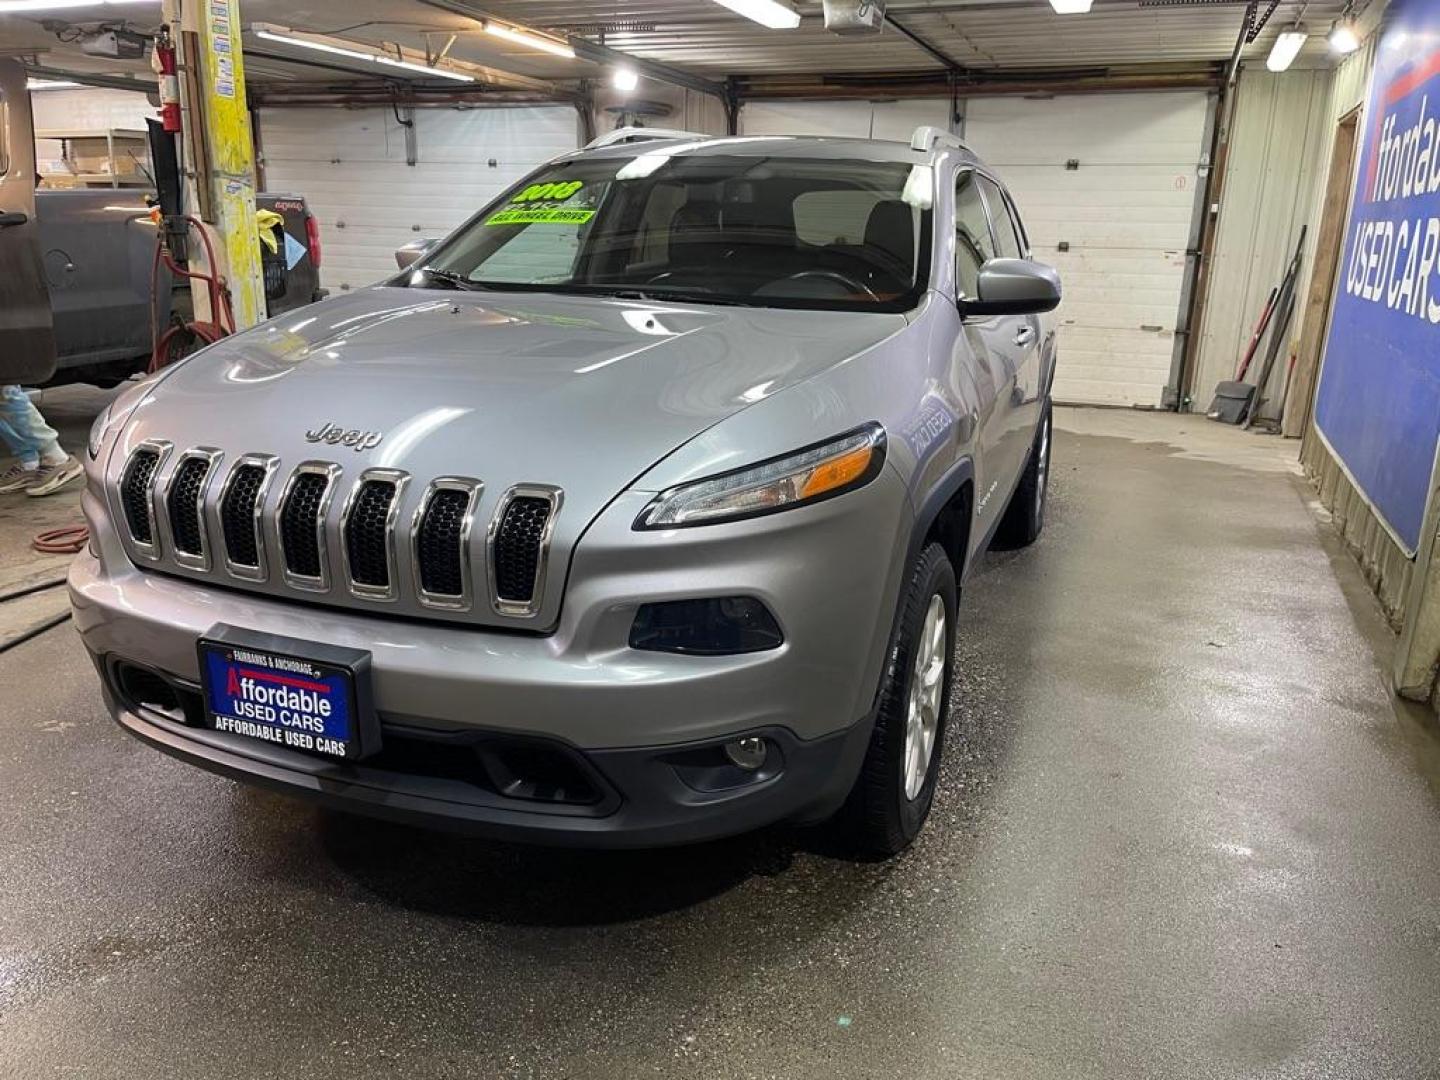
748 753
713 627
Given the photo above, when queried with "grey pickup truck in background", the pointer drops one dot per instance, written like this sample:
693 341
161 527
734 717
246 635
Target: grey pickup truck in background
98 250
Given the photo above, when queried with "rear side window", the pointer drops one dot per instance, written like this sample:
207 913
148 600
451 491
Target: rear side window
1007 233
973 246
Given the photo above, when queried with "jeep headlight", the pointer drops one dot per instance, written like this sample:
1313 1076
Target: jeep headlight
806 476
97 432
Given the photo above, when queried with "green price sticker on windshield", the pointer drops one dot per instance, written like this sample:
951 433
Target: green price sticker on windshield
526 208
540 215
548 192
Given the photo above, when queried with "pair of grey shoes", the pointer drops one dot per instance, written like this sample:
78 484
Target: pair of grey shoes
42 480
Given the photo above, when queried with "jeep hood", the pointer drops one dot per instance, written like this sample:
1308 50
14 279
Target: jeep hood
583 393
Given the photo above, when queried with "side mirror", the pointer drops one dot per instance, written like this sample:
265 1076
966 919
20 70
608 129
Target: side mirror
413 252
1014 287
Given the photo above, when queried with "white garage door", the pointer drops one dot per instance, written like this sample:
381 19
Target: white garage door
1123 211
843 119
350 166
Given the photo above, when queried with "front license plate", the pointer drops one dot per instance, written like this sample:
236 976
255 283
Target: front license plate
292 694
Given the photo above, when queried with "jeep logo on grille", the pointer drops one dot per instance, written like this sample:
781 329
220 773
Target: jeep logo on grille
338 436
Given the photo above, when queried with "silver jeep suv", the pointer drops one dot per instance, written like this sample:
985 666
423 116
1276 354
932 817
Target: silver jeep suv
632 513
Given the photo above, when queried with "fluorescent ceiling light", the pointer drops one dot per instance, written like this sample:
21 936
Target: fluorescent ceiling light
1070 7
771 13
10 6
49 84
1343 38
624 79
531 41
424 70
320 46
1287 46
306 41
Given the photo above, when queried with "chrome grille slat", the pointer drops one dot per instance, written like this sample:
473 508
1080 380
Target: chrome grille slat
137 497
185 507
518 548
367 533
440 542
304 507
241 511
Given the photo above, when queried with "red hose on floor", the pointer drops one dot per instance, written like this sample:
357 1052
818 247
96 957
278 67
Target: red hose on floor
66 541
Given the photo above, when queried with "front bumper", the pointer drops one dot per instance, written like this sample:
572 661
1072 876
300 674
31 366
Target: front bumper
640 726
642 796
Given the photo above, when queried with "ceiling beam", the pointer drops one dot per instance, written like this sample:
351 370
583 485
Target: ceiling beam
939 84
933 50
86 78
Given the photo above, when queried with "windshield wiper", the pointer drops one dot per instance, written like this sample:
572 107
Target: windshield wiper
450 278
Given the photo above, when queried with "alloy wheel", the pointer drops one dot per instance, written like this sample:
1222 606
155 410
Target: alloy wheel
927 683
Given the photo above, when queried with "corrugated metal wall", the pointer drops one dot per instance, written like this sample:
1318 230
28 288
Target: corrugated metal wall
1273 170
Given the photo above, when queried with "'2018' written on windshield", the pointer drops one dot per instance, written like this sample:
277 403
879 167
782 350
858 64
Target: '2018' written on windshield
526 209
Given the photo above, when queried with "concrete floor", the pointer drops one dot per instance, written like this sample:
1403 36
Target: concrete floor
1183 832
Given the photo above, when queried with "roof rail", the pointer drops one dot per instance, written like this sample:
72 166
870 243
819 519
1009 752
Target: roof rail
642 134
927 138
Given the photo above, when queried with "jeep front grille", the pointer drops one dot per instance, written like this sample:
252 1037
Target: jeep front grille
221 516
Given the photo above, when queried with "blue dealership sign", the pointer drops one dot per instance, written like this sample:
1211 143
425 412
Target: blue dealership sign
1378 403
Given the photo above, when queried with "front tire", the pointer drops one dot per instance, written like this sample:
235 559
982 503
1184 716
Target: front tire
1025 516
892 796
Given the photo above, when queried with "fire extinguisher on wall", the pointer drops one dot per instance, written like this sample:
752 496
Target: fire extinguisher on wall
162 59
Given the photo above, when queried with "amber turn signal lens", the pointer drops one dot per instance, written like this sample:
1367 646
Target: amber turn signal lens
837 472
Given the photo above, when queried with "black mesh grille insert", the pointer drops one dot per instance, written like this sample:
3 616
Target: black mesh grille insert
517 548
298 518
185 525
365 534
439 543
237 515
135 494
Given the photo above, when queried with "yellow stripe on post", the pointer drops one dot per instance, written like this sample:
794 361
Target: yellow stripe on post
225 120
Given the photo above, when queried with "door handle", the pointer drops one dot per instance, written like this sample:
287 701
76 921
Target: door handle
1025 336
13 217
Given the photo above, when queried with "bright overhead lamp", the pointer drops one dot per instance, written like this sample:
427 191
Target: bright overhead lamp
458 76
310 41
1287 46
1070 7
1343 39
769 13
624 79
318 46
49 84
530 41
9 7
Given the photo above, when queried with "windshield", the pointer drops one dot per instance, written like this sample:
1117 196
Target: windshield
763 231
